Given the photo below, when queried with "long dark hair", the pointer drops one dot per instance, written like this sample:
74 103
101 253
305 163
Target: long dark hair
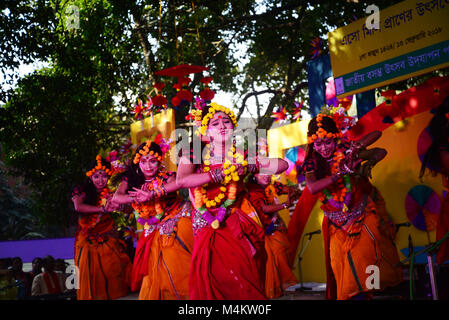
439 131
88 187
329 125
133 174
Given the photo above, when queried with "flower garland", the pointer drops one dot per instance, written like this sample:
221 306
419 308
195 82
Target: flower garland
214 107
150 212
321 133
229 186
90 221
99 166
341 197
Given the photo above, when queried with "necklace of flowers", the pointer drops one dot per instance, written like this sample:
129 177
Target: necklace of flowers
92 220
144 210
229 186
103 198
342 196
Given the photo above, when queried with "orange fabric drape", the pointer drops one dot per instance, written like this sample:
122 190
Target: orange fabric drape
104 269
279 275
168 264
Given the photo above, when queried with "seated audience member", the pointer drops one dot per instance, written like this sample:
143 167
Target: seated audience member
49 281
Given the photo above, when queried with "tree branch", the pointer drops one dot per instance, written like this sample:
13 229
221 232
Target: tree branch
255 93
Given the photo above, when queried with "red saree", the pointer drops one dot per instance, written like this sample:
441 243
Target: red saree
228 263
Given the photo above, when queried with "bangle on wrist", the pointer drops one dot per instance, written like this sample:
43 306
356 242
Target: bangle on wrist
103 209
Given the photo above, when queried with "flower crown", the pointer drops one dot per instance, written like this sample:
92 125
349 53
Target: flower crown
321 133
99 166
164 145
203 122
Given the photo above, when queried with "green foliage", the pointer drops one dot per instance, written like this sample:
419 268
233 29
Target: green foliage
17 220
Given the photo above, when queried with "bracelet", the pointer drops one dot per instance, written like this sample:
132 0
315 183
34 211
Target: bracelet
216 175
285 205
164 191
103 208
346 168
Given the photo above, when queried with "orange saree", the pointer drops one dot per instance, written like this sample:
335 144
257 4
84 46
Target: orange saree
169 252
104 266
360 253
278 270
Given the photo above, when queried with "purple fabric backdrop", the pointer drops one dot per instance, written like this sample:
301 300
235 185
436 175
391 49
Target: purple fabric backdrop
60 248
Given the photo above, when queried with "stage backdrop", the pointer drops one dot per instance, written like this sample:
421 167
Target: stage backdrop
394 177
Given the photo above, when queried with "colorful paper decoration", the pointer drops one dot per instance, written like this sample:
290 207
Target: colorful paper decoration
139 110
297 110
280 115
317 47
422 205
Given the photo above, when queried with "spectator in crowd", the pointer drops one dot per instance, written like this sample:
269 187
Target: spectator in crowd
36 267
61 266
49 281
8 290
23 279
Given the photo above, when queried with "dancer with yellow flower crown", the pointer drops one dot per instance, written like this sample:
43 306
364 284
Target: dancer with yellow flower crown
104 266
228 258
351 227
162 260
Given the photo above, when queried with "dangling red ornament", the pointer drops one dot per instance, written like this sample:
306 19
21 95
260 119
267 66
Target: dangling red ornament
159 100
207 94
175 101
185 94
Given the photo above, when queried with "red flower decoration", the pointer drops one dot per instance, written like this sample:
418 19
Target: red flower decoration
159 100
175 101
207 94
185 94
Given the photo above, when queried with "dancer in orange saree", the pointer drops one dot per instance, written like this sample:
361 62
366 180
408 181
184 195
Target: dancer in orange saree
355 246
100 255
162 260
228 259
263 196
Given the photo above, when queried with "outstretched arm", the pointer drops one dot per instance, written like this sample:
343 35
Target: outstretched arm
120 195
316 185
368 139
81 207
272 165
186 177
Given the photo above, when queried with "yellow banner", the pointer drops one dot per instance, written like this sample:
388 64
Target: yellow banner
405 27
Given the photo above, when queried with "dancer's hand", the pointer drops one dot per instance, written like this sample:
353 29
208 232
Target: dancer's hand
111 206
140 195
366 168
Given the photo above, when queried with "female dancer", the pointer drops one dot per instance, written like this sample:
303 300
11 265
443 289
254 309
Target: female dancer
228 257
263 195
355 246
104 266
162 260
437 160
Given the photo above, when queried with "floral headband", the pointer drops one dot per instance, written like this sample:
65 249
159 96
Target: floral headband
99 166
203 122
164 145
321 133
